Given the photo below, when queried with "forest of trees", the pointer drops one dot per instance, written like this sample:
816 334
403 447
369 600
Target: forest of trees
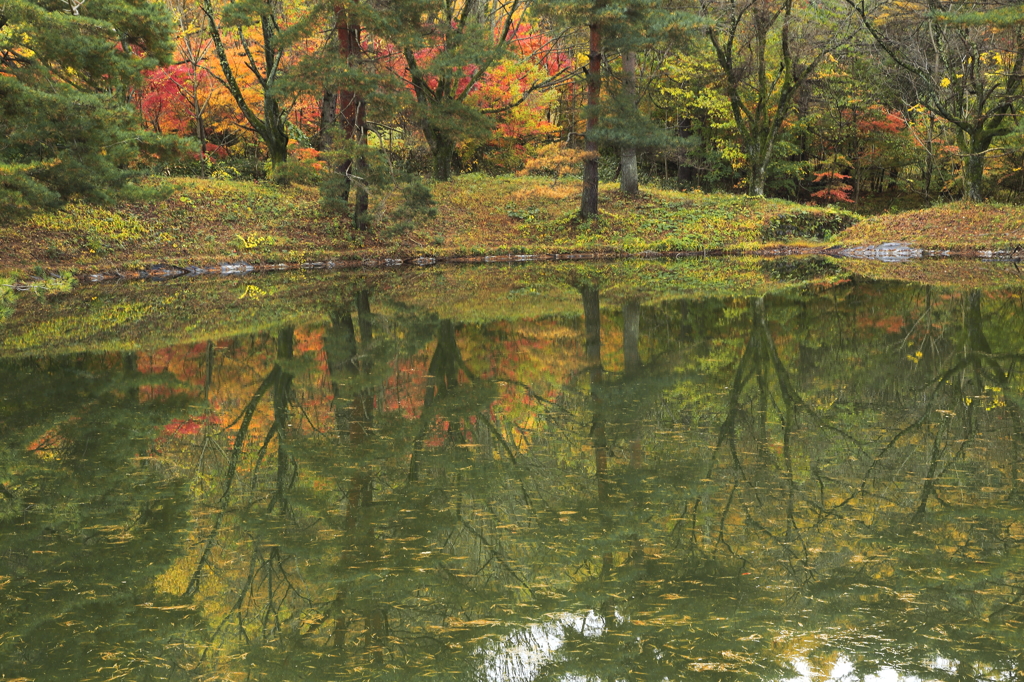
828 101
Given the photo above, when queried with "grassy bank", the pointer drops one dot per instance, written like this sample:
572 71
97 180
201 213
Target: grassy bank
958 226
204 222
200 222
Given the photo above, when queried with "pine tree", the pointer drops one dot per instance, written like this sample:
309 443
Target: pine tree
614 26
66 72
445 49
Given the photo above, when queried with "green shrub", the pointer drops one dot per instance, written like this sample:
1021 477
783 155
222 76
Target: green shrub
295 172
812 223
94 228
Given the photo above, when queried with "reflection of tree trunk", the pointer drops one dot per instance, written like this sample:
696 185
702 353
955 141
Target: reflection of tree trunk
229 478
130 364
365 319
350 363
631 336
761 360
208 379
349 359
592 326
362 404
928 489
981 372
376 632
360 495
442 376
598 436
360 492
281 397
337 611
445 363
631 356
341 350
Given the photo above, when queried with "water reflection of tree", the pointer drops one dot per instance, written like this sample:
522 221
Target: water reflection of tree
85 516
738 462
857 508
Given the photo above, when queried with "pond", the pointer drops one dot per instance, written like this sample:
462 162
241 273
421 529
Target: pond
729 470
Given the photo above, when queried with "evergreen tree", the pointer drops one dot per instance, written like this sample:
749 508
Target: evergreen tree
614 25
648 29
445 49
66 71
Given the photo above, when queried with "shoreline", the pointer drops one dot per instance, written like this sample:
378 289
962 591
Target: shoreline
203 226
887 252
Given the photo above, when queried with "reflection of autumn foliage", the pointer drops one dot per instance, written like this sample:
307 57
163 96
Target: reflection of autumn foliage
190 426
892 324
761 436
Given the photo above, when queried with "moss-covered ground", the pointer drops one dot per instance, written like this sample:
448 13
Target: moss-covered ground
203 222
958 226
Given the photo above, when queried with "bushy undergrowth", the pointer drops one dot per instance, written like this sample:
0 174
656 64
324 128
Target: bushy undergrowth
809 223
954 226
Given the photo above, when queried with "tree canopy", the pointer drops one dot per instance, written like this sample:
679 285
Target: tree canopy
67 71
827 102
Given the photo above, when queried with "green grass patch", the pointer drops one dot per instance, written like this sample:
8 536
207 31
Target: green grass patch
958 226
192 221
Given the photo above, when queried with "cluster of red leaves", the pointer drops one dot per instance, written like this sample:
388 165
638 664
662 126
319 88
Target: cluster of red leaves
835 190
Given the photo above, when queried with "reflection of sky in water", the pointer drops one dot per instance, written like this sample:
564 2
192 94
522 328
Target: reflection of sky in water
521 655
843 671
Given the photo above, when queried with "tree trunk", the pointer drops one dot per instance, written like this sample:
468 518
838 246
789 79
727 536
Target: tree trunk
360 213
588 200
200 131
353 116
629 181
758 153
275 116
349 110
442 148
271 128
275 134
328 115
974 166
929 157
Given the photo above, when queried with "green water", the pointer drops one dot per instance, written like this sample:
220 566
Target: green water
593 482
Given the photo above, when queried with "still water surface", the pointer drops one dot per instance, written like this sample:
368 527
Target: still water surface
821 483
